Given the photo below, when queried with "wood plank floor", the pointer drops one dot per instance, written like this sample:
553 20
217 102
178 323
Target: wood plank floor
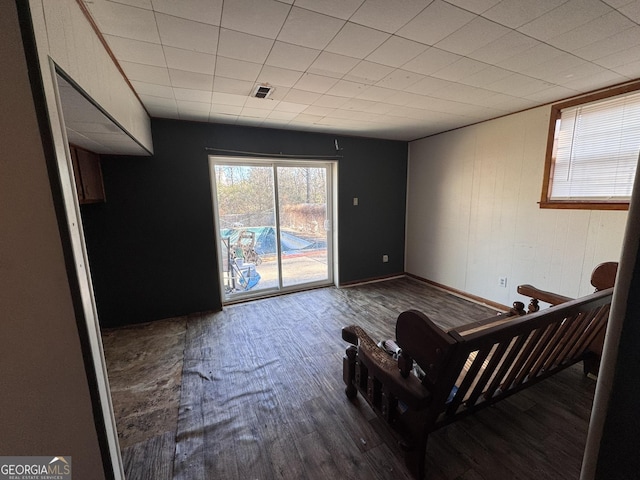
261 397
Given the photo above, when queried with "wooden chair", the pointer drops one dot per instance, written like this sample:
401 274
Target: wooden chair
467 368
602 277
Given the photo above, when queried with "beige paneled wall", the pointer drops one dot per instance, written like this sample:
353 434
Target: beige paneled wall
64 34
473 215
45 402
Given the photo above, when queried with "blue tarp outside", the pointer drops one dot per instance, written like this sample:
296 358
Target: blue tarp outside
266 240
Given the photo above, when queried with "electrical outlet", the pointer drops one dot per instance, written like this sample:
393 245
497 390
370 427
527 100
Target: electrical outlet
385 258
502 281
355 201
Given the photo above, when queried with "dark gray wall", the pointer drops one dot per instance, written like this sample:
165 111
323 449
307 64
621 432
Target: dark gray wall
152 244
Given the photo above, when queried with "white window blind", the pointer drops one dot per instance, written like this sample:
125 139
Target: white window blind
596 150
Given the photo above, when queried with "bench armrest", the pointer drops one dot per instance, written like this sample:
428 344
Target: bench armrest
542 295
382 366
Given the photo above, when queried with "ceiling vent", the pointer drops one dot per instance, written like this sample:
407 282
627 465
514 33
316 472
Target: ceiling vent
262 91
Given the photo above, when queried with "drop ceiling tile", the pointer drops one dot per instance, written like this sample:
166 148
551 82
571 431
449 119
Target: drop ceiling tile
159 109
475 6
200 107
486 76
584 71
515 13
550 70
465 93
566 17
282 115
279 76
396 51
507 103
618 59
224 118
518 85
190 61
228 99
243 46
356 41
231 68
618 3
124 21
435 22
475 34
536 55
377 94
187 34
598 80
592 32
315 83
388 16
512 44
160 102
292 57
290 107
195 81
344 88
381 108
316 110
152 89
307 118
301 97
431 61
138 3
357 104
428 86
336 8
632 11
236 87
368 72
330 101
400 79
205 11
630 70
552 94
255 112
309 29
403 98
628 38
200 96
263 18
463 68
136 51
146 73
279 92
220 108
332 65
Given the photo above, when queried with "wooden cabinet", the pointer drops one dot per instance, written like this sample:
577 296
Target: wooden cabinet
88 175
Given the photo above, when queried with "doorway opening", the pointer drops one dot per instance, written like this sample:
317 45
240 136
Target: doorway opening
274 225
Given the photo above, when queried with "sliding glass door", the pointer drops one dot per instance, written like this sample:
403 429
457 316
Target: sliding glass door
273 222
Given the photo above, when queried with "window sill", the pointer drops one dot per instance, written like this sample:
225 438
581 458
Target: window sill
584 205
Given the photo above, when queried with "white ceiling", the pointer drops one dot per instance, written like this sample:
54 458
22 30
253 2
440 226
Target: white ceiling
88 127
396 69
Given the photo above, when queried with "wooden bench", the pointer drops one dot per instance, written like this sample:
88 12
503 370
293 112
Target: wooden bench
470 367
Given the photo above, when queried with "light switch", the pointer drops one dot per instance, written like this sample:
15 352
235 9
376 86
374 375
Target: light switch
355 201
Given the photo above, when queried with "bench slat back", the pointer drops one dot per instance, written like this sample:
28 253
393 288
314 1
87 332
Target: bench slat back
499 360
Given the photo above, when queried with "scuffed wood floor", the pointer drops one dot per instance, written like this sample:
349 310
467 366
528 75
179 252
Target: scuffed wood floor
261 397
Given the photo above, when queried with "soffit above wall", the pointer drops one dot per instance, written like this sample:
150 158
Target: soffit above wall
88 127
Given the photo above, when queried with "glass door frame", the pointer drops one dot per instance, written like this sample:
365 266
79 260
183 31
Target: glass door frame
331 222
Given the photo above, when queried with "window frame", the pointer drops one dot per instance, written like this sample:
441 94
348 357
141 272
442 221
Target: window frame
556 111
